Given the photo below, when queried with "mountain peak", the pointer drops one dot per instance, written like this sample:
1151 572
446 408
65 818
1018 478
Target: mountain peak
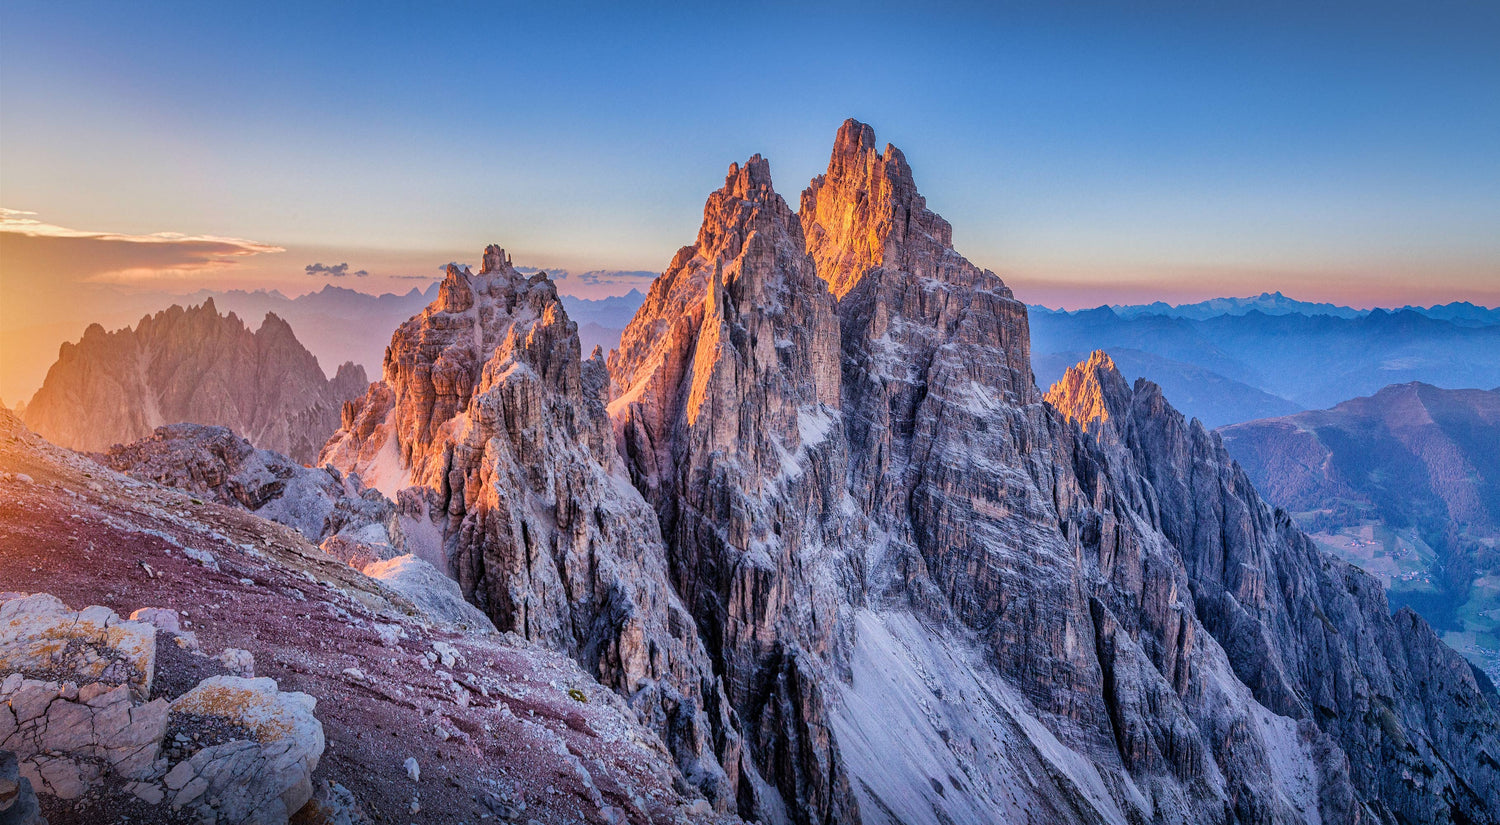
752 178
1093 390
495 260
853 136
274 327
747 203
865 212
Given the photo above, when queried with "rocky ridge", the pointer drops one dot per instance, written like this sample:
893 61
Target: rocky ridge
1065 571
826 476
488 416
728 418
192 365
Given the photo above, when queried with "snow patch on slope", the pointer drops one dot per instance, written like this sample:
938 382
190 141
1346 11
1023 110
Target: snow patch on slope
387 473
931 736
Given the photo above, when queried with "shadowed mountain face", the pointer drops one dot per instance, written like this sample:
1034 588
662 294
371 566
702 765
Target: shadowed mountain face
335 323
192 365
1412 459
1230 368
1412 454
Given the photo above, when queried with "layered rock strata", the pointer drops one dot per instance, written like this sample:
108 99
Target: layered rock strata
1090 581
830 536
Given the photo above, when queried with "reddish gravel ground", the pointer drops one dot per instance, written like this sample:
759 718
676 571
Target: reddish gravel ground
496 734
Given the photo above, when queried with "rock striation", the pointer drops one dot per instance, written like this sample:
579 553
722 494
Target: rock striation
192 365
1311 637
488 418
1086 590
728 418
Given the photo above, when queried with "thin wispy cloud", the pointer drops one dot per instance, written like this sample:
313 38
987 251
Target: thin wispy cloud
610 277
597 277
335 271
33 245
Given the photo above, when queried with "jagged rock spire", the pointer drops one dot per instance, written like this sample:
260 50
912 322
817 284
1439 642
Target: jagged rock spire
729 379
489 425
865 212
495 260
746 274
1091 392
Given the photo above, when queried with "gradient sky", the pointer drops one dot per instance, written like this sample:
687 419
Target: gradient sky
1089 154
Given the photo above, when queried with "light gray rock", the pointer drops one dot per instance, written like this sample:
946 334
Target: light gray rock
435 594
72 710
352 521
264 778
332 804
40 637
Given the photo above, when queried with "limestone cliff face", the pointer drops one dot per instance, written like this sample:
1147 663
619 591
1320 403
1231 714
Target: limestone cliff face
192 365
950 452
977 585
815 517
865 213
489 426
728 416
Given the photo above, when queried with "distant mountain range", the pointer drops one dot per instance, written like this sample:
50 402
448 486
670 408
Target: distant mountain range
336 324
1405 483
1238 367
1274 303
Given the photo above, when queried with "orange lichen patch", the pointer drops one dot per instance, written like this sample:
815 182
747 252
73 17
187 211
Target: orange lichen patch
64 647
254 709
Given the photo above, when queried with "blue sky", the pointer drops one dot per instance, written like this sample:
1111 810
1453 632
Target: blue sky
1086 152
